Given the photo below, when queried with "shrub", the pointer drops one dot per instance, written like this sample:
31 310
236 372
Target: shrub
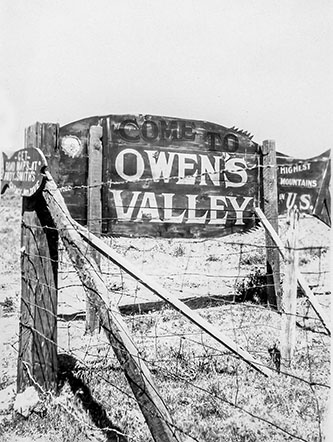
8 305
253 288
178 251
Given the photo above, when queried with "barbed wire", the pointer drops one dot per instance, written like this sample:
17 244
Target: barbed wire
180 376
255 167
181 354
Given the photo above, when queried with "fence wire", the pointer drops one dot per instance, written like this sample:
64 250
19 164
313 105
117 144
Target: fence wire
211 394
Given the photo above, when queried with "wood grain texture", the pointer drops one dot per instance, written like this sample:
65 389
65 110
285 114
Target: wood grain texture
136 371
174 166
73 167
94 210
305 183
269 203
214 202
171 299
289 298
300 278
39 263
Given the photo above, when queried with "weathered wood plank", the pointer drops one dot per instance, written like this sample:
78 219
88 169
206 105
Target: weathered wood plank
94 212
95 160
167 178
39 260
300 278
193 303
73 166
304 183
289 298
157 170
269 203
170 298
136 371
146 157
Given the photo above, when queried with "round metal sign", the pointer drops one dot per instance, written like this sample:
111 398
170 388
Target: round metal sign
22 171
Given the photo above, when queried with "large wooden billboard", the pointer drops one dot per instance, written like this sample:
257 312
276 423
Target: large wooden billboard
135 175
164 176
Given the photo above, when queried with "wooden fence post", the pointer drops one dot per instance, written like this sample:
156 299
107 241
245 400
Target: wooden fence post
135 368
288 329
94 215
169 297
270 209
300 278
37 356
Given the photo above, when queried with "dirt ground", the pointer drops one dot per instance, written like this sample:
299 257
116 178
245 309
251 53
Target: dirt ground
189 268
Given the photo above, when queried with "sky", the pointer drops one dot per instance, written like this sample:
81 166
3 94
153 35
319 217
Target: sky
264 66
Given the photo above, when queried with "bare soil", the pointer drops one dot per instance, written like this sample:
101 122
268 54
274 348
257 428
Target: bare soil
211 394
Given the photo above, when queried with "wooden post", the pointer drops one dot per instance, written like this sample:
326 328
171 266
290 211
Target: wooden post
37 356
270 208
300 278
288 305
169 297
135 369
94 215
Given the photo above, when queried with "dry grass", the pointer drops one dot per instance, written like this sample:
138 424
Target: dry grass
211 394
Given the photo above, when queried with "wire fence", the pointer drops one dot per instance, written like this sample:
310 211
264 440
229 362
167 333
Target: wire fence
209 391
212 395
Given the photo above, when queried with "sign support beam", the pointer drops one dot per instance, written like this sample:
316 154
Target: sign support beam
270 208
39 267
300 278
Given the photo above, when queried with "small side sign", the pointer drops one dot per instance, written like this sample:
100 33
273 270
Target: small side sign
304 183
22 171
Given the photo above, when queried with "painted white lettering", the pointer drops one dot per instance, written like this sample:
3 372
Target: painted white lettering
239 210
160 165
216 207
20 165
305 202
22 155
207 169
168 205
8 176
148 209
119 205
291 200
192 208
120 165
232 166
10 166
184 166
298 182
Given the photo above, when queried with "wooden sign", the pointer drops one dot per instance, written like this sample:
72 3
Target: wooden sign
165 176
322 208
22 171
304 184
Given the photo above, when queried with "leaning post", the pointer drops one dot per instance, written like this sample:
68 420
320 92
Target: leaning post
270 209
37 355
135 369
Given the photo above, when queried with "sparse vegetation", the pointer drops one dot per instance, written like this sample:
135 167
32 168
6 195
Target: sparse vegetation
8 305
178 251
212 395
213 258
253 287
253 258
